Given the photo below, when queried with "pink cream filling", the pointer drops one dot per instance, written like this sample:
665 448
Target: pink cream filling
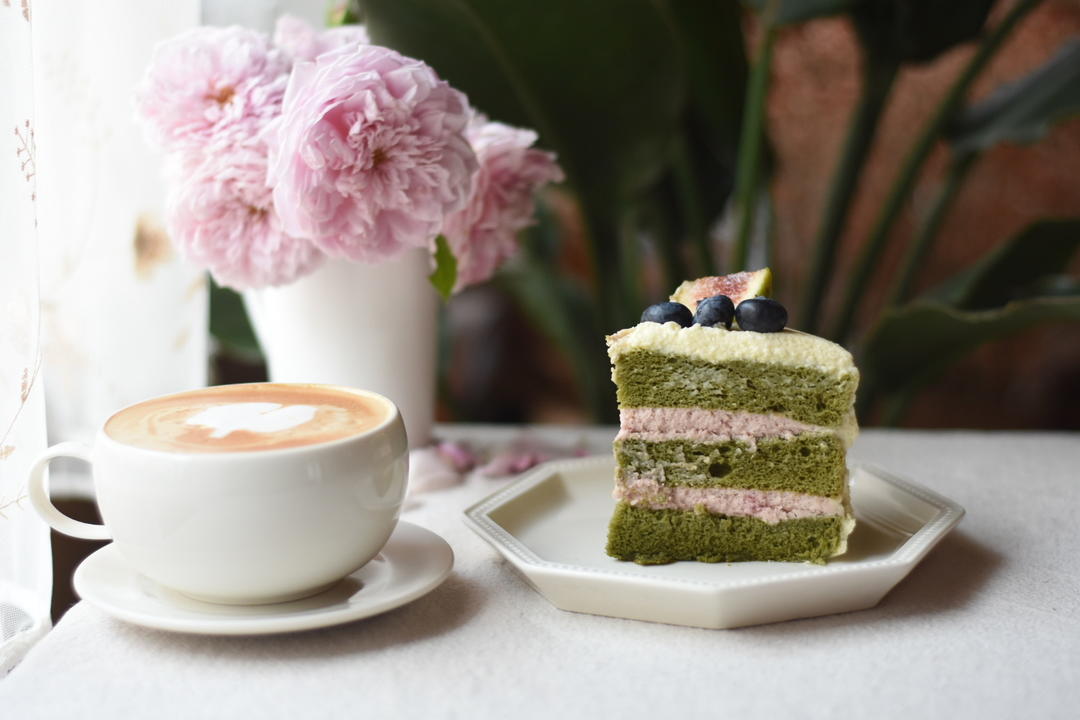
655 424
771 506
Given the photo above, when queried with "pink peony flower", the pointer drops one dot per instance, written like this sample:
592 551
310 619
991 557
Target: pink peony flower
210 83
483 234
221 215
369 156
303 42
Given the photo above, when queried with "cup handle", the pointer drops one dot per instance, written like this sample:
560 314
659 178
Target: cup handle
39 494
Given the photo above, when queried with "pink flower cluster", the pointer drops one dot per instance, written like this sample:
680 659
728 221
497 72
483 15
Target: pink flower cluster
369 154
483 234
320 144
211 86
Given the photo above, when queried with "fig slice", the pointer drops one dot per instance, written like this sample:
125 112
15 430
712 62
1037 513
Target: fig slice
737 286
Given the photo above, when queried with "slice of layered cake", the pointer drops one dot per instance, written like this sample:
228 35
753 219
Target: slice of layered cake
733 439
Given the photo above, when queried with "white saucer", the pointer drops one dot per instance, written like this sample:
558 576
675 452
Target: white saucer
413 563
552 525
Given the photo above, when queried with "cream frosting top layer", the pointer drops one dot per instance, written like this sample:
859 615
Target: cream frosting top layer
718 345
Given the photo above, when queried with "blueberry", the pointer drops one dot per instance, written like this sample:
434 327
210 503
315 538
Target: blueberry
761 314
668 312
716 310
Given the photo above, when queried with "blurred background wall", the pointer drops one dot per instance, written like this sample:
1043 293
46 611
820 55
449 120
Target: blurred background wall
1028 381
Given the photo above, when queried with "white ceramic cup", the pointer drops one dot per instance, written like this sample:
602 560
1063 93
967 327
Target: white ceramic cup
246 527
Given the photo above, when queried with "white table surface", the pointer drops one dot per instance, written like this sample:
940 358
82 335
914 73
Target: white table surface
988 626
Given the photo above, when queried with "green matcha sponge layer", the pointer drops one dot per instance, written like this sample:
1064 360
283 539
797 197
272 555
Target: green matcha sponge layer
651 379
653 537
812 463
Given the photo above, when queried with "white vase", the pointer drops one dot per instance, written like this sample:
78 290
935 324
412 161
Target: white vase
367 326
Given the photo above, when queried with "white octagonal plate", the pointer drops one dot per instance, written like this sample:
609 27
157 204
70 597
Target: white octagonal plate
551 525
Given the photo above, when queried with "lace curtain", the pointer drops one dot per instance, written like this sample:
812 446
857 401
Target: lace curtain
123 317
25 567
97 309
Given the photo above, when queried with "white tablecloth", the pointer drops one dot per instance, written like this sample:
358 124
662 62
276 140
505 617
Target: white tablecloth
988 626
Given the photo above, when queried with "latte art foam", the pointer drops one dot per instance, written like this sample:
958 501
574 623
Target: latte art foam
253 417
237 418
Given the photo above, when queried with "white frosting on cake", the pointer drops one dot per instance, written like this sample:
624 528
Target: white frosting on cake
847 525
719 345
848 430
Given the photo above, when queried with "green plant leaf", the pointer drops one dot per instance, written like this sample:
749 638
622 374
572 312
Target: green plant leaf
1016 286
229 324
788 12
1014 269
1023 111
912 343
713 47
342 12
1054 286
601 81
560 307
917 31
695 189
444 276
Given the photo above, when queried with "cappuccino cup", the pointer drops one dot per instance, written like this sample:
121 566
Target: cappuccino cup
243 494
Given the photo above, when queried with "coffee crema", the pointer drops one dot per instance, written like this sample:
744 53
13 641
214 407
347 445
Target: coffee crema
246 418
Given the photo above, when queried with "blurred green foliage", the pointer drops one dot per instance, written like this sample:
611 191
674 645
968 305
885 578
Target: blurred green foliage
1008 290
229 325
658 118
